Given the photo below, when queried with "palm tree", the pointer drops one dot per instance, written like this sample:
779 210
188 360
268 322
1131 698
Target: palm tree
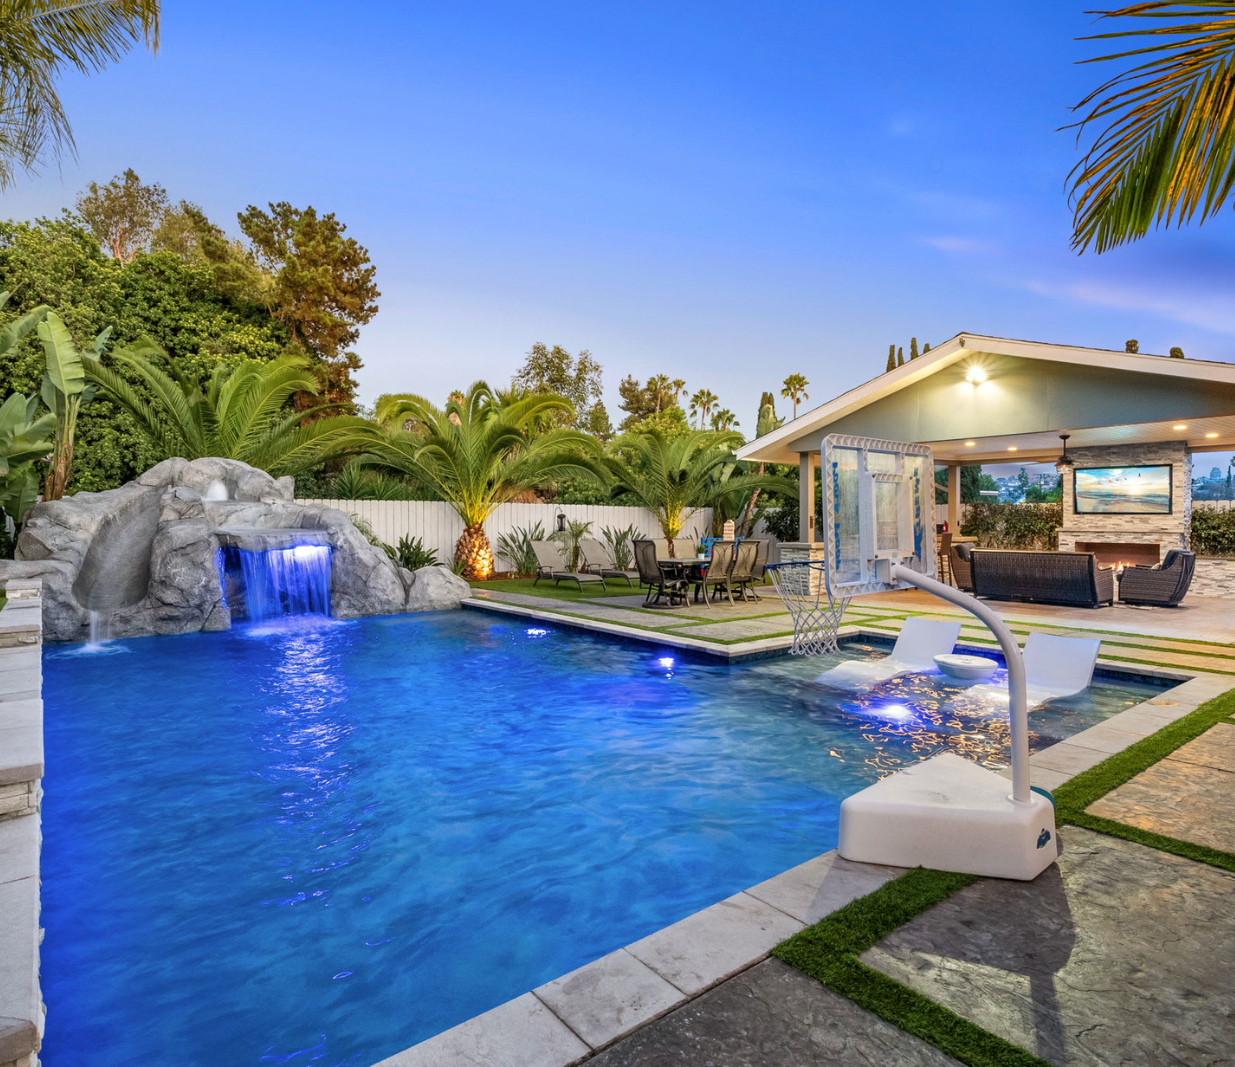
724 419
1167 151
38 40
702 403
479 452
241 412
659 385
795 390
674 477
676 387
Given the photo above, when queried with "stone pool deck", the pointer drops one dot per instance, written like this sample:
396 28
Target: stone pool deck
21 773
704 993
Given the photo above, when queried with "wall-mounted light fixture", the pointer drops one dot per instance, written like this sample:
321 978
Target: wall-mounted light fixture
975 375
1064 462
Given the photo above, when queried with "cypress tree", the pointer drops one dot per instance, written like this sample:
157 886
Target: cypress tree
926 347
891 359
1177 353
913 348
900 357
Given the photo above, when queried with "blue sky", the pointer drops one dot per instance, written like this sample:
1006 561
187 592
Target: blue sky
725 192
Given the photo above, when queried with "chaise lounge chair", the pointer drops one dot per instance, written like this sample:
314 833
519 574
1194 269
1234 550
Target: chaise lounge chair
551 564
597 561
917 645
1054 667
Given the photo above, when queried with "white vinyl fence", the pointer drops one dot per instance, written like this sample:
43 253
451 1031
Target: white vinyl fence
437 525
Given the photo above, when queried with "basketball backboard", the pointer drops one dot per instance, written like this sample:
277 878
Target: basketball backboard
878 510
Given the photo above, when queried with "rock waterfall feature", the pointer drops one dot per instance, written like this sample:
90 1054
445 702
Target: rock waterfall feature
190 544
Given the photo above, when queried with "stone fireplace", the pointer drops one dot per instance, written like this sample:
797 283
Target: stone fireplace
1138 538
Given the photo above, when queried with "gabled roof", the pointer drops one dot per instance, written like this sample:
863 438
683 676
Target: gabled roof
1063 388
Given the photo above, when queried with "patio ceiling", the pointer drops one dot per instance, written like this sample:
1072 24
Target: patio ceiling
1030 393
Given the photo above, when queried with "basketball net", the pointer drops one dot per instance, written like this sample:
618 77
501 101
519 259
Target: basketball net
803 586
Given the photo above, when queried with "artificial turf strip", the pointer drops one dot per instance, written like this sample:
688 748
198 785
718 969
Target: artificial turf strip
828 951
1076 794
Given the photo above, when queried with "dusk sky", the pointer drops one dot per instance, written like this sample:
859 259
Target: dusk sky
724 192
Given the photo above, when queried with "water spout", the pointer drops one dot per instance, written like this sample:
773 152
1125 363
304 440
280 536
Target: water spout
100 628
216 490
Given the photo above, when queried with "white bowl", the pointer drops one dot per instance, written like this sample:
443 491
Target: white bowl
970 668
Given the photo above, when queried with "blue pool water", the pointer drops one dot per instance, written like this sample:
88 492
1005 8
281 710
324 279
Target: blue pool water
321 842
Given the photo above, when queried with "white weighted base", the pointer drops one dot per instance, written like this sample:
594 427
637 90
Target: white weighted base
951 815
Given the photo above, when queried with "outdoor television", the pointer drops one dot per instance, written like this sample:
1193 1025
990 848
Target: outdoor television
1122 490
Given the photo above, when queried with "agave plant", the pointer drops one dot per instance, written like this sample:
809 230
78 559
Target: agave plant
478 452
241 412
516 547
411 553
1165 153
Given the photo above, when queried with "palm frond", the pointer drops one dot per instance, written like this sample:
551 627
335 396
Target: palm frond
1166 152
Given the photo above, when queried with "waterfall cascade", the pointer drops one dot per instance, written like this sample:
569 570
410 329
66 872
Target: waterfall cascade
267 574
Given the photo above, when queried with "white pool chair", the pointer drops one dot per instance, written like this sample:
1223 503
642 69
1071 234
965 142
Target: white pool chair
1054 667
919 642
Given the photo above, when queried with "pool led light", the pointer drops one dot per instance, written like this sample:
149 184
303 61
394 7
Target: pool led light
533 631
666 662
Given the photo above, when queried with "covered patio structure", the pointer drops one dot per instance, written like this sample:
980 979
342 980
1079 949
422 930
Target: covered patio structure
977 399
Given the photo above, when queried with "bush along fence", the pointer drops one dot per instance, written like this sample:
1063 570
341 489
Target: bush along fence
1013 525
1213 531
416 528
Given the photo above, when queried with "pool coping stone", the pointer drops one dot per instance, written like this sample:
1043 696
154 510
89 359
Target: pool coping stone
21 773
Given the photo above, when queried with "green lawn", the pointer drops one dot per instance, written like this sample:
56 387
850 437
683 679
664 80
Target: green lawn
562 591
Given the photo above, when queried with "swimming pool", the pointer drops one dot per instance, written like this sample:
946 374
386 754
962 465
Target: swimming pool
322 842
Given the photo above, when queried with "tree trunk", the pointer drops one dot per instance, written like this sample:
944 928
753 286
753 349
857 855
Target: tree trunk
748 515
59 472
473 551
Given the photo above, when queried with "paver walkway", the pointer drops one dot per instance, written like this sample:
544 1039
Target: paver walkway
1113 957
771 1015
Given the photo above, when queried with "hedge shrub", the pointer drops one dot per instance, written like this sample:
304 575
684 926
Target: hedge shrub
1014 525
1213 532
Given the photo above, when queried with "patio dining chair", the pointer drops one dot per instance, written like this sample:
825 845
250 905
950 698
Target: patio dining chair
718 572
660 583
683 548
742 573
550 563
596 560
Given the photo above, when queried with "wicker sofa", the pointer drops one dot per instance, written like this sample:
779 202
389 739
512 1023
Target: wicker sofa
1162 586
1073 578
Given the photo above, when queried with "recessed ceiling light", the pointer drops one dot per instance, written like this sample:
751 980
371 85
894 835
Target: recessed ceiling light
1180 426
1211 434
1012 448
970 444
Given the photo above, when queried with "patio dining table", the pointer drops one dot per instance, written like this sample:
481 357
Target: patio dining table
686 572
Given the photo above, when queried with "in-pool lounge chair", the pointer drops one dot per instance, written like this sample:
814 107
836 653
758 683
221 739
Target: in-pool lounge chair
917 645
1054 667
596 560
551 564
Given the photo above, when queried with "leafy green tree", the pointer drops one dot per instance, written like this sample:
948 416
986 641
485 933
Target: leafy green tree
555 370
597 422
39 39
673 477
795 391
478 452
658 397
1163 151
124 214
702 403
240 413
724 419
318 283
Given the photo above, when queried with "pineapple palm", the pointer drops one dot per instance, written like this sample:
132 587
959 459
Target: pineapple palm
478 452
241 412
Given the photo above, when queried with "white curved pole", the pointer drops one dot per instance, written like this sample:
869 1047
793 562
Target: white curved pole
1018 711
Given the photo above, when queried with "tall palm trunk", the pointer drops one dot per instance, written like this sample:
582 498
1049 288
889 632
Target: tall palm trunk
474 553
748 514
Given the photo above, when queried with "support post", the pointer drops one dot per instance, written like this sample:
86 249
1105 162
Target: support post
954 497
1018 712
806 497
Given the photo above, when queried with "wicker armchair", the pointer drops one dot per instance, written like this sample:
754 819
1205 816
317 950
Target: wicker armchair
1162 586
961 566
1049 577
